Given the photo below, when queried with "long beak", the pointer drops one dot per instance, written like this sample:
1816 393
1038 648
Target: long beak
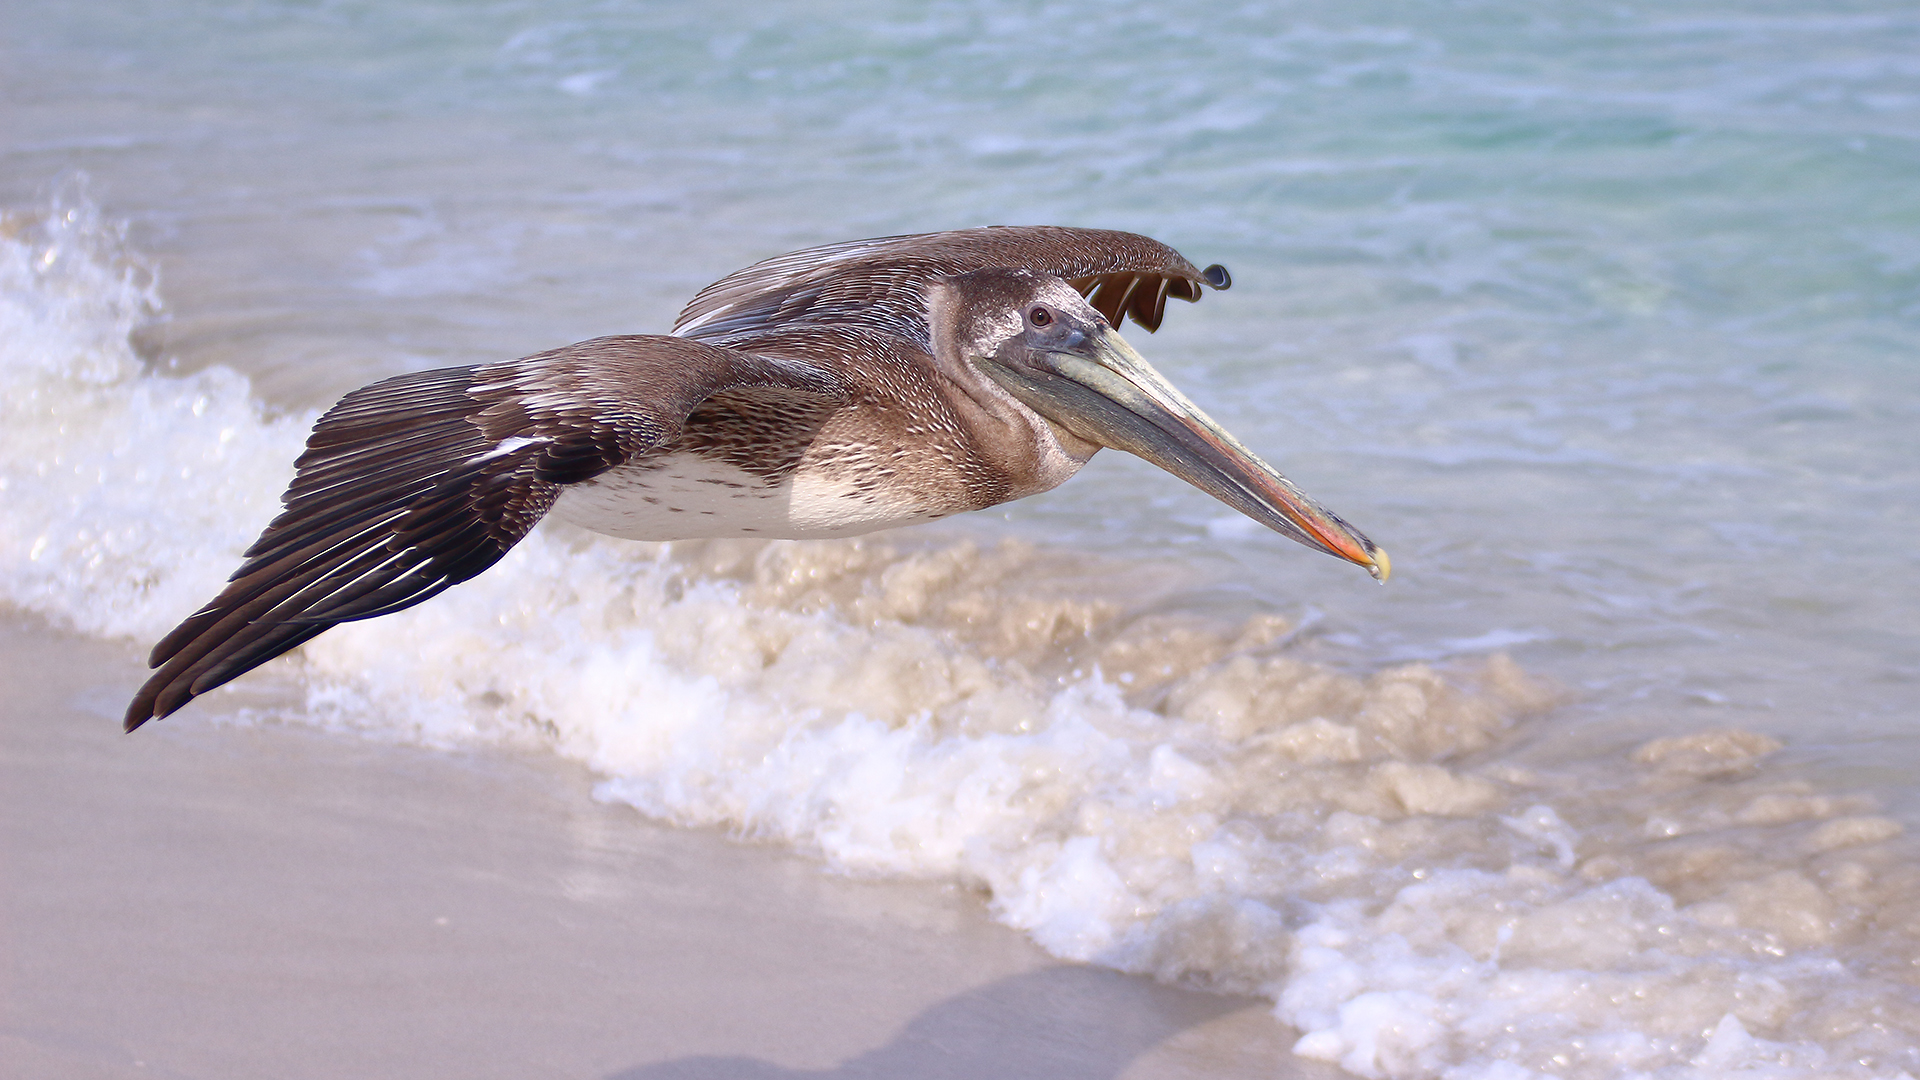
1109 394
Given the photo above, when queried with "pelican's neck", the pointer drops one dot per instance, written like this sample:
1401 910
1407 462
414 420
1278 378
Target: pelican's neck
1033 452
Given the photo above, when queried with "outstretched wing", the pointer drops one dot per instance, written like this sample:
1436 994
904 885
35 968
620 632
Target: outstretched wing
879 282
419 482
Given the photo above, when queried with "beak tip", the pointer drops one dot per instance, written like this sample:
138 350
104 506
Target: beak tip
1382 567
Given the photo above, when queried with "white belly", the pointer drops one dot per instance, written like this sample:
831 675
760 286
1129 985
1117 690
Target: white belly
689 497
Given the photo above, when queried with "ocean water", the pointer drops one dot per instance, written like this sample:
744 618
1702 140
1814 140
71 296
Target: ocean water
1602 319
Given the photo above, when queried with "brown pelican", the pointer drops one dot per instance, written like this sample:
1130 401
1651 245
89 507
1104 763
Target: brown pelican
828 392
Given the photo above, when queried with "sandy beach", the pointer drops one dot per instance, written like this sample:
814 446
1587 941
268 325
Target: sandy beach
203 899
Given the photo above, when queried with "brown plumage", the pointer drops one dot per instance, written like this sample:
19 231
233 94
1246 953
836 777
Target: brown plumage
824 392
880 283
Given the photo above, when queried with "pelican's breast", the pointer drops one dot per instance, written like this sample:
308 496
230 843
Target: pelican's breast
772 464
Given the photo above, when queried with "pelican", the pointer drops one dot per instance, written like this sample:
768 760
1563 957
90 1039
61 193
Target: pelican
827 392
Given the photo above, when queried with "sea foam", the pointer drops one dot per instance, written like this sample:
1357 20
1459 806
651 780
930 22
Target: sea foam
1130 783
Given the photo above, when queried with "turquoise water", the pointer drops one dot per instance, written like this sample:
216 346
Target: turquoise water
1602 319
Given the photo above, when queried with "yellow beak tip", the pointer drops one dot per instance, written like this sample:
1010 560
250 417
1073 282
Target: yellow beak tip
1382 567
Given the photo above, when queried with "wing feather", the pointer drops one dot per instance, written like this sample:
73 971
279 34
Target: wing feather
880 282
419 482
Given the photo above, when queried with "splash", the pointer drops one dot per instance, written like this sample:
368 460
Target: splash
1130 782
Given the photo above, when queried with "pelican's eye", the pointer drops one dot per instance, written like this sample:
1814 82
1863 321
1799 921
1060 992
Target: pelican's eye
1040 316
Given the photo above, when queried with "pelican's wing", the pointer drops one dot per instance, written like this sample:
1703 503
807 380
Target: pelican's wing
419 482
879 282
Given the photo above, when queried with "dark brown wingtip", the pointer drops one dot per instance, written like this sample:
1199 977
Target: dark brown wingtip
162 695
1144 296
141 709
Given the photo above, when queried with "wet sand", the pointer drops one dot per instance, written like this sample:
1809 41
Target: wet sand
206 899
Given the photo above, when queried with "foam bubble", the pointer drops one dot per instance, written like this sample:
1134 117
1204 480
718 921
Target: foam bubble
1129 782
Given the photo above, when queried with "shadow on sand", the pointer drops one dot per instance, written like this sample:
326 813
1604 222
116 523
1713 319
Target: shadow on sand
1058 1023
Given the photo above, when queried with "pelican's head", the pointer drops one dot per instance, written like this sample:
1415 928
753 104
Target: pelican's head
1038 339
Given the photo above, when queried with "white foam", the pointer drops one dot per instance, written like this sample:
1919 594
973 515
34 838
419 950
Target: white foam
127 497
1162 794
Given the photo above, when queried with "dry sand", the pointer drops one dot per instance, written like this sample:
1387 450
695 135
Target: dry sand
210 900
